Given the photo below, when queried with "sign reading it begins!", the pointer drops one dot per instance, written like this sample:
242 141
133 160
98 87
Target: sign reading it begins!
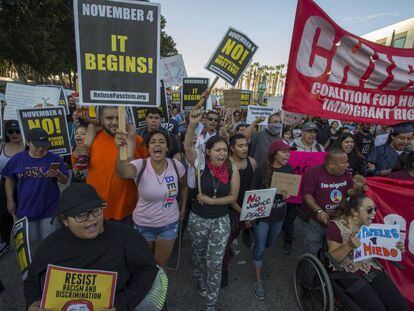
53 121
192 90
117 45
70 289
232 56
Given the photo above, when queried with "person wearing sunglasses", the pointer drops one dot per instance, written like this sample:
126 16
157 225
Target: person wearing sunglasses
86 241
379 293
12 145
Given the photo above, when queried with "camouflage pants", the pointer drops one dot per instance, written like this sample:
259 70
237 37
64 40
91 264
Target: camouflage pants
209 239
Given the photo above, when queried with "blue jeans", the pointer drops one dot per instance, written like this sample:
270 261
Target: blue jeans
265 235
168 232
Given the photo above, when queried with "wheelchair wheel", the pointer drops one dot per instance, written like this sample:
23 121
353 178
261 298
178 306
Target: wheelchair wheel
313 287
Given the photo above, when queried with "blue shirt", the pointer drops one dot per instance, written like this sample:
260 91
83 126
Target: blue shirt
37 194
384 157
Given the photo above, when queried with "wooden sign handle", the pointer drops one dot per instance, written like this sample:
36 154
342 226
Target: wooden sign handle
122 127
203 99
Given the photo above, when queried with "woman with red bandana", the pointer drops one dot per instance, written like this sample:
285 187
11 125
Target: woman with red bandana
209 223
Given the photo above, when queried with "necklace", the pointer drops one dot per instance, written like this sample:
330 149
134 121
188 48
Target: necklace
240 167
214 185
163 177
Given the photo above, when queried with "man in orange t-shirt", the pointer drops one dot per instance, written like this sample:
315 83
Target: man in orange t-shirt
119 194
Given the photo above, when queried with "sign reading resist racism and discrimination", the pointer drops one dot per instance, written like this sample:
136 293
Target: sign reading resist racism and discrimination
232 56
117 47
20 233
192 90
378 241
395 201
69 289
53 121
257 204
341 76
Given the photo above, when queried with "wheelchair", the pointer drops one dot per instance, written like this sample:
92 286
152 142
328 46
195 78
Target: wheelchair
318 287
316 284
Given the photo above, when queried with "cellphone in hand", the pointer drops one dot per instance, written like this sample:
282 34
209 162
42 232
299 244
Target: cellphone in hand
54 166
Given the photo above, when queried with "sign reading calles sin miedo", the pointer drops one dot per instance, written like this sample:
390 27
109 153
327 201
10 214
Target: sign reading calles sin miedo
117 47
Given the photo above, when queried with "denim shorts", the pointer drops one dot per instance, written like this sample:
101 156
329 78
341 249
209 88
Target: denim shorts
168 232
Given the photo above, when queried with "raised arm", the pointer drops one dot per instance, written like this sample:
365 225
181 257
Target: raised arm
248 132
123 168
189 145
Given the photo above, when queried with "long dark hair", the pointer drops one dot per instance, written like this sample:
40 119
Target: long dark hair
354 152
269 168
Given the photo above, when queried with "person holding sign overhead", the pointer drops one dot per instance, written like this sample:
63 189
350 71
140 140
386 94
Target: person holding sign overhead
209 223
86 241
365 280
267 230
37 173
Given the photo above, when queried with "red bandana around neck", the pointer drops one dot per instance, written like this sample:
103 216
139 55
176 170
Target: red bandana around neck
219 172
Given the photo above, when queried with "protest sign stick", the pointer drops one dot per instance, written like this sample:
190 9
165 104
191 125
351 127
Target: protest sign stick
203 99
122 127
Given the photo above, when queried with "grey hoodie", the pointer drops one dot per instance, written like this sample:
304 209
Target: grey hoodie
300 147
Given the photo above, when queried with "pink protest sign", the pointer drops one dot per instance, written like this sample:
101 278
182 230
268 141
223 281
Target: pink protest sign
301 161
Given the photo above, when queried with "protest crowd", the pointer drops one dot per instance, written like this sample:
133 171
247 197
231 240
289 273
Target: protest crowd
127 191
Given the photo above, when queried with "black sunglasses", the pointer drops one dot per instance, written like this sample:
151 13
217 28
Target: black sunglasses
213 119
13 131
371 209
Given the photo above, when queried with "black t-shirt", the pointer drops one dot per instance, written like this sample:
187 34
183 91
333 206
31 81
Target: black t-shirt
364 143
119 248
278 211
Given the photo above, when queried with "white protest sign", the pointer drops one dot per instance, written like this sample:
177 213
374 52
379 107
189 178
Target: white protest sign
21 96
290 118
172 70
257 204
381 139
378 241
254 112
275 102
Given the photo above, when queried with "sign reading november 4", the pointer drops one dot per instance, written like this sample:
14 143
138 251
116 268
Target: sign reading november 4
117 45
232 56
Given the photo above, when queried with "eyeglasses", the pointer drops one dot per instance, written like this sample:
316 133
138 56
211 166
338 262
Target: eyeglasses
371 209
213 119
82 217
13 131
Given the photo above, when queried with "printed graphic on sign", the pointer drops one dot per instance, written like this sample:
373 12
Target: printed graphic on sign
78 289
192 90
20 233
378 241
21 96
53 121
232 56
257 204
342 76
117 49
172 70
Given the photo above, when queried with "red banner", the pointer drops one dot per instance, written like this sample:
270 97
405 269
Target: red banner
395 201
337 75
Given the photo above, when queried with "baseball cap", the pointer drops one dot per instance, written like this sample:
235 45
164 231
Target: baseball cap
11 124
310 126
279 145
402 128
78 198
38 137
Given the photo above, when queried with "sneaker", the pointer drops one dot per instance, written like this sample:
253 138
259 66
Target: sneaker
287 248
224 279
4 248
258 290
201 287
246 238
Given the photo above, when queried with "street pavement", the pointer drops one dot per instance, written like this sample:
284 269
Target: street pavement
238 296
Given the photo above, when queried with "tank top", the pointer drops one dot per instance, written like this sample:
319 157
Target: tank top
208 184
3 158
246 176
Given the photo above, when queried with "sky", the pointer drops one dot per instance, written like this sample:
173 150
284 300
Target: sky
198 26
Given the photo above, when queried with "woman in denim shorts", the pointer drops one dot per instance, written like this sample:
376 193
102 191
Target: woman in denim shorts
158 178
